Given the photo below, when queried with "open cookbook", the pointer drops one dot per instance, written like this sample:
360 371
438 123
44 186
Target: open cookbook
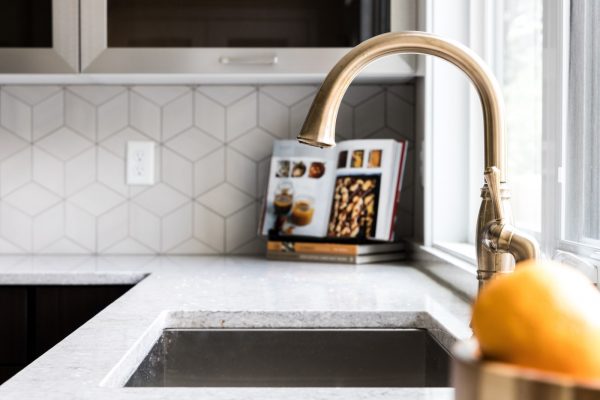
350 191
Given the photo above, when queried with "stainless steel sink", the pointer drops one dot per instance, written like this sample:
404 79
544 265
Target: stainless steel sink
294 358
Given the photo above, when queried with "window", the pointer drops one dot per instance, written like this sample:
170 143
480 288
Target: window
582 138
546 55
519 71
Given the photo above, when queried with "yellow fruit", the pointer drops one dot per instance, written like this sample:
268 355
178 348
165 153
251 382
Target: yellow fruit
544 315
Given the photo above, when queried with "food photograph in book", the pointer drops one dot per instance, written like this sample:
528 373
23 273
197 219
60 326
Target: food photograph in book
346 192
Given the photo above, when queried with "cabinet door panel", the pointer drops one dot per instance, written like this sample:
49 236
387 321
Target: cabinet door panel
13 325
26 23
62 309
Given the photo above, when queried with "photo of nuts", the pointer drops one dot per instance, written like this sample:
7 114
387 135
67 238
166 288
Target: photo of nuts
354 208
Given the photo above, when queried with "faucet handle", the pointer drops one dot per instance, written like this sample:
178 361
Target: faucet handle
492 178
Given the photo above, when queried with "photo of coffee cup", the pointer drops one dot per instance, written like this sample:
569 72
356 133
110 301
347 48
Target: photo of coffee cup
284 197
302 211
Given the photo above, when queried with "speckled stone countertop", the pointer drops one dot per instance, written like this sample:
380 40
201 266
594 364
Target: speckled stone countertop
236 292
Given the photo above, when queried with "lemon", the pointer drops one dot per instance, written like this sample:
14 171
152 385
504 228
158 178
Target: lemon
544 315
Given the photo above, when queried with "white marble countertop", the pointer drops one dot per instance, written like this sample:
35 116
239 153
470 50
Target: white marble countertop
94 361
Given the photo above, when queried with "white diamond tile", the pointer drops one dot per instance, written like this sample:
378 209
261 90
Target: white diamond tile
369 116
32 199
409 169
96 199
241 116
344 126
177 172
32 94
97 94
117 143
192 246
297 116
225 199
48 227
10 144
112 116
16 227
15 171
406 199
145 116
129 246
210 116
263 168
273 116
160 199
7 247
255 247
241 172
48 115
400 115
80 227
97 216
209 227
15 115
80 171
64 246
405 92
64 144
48 172
193 144
289 95
80 115
177 227
161 94
144 227
111 172
359 93
241 227
226 95
112 227
404 227
209 172
177 116
256 144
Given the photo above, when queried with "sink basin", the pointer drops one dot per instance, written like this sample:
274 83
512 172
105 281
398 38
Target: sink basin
294 358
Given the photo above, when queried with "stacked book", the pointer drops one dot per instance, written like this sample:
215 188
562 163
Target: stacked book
347 253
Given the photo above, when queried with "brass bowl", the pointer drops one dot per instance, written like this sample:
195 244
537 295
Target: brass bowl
477 379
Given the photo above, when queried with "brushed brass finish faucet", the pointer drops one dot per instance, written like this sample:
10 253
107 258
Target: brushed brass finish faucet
499 244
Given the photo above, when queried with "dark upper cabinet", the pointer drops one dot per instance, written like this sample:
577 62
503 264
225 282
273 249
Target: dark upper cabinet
244 23
294 38
228 37
39 36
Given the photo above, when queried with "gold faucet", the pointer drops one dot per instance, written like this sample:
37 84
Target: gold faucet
499 244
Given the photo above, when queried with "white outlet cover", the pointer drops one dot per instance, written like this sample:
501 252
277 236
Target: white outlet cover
140 163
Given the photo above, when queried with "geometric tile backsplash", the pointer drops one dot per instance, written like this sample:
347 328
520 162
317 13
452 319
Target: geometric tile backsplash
62 163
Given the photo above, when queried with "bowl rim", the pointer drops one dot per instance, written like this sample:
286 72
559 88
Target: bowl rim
467 352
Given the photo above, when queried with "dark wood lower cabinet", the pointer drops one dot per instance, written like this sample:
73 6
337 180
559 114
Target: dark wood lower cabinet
35 318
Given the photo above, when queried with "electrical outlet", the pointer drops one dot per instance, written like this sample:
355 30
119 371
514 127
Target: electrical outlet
140 163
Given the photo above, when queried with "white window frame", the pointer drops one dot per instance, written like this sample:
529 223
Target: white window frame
555 130
485 30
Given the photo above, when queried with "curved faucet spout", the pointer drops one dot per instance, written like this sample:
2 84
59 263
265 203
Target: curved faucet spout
498 243
319 126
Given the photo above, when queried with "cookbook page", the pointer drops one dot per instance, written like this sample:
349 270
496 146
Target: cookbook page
362 189
299 191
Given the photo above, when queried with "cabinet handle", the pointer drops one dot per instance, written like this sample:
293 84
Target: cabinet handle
250 60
